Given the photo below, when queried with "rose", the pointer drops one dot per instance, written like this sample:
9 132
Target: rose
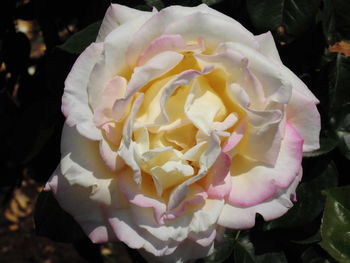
180 123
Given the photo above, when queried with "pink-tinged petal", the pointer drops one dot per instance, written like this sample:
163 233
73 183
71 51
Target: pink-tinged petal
115 16
115 90
303 115
253 182
51 184
235 137
136 196
244 217
218 179
100 235
212 29
75 101
154 68
268 46
161 44
196 195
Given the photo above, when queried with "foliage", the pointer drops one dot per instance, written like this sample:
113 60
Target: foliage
312 38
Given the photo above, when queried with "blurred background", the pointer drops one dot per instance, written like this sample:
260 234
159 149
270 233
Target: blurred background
312 37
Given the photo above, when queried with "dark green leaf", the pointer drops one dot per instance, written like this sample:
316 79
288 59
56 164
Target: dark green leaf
335 228
288 17
310 240
341 123
82 39
311 255
223 250
336 20
277 257
244 252
339 84
310 202
52 222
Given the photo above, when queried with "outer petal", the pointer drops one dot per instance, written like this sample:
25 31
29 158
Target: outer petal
242 218
83 185
113 61
253 183
268 46
125 229
158 24
303 115
277 87
75 104
115 16
213 29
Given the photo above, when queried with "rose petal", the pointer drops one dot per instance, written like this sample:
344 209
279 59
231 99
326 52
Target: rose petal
115 16
82 185
303 115
268 46
154 68
75 105
212 29
242 218
253 183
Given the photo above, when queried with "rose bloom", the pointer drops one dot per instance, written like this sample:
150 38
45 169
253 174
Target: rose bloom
180 124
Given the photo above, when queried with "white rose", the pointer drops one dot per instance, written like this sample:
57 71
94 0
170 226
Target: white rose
180 123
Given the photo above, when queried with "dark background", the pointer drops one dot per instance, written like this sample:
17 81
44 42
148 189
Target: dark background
312 40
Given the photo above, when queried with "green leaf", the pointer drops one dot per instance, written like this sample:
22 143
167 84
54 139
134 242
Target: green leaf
336 20
211 2
310 200
335 228
310 240
78 42
224 249
155 3
52 222
341 124
339 83
339 101
244 252
311 255
288 17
